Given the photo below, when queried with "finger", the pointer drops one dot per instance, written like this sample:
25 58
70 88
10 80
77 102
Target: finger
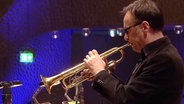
94 51
90 53
87 56
85 60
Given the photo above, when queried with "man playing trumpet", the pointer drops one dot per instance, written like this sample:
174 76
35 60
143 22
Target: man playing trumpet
158 77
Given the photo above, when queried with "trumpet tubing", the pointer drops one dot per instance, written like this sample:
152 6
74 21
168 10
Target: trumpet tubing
69 73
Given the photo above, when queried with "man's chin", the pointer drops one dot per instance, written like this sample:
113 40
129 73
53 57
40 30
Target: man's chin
135 49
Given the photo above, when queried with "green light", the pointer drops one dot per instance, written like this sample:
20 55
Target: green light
26 57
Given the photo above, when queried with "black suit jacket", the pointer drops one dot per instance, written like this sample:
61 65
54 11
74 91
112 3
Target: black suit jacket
158 78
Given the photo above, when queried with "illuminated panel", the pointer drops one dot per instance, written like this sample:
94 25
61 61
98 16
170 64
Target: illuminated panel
26 57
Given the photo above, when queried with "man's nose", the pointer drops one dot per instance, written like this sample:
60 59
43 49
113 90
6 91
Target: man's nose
125 37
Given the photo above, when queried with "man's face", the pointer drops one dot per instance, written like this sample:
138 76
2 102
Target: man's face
133 32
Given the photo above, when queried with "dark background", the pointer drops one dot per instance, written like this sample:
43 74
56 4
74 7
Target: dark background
31 24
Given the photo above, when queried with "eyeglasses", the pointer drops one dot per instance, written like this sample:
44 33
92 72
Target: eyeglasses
128 28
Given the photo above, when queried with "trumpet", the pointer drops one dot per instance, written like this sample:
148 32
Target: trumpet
64 76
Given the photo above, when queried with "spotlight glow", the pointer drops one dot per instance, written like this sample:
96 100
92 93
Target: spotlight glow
120 31
178 29
112 32
86 32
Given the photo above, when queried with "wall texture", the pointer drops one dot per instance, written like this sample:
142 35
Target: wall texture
50 15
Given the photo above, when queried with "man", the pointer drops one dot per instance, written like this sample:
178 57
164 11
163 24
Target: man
158 76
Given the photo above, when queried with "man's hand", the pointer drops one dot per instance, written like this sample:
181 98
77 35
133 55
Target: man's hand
94 62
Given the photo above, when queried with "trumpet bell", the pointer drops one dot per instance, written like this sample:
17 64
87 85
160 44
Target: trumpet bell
46 82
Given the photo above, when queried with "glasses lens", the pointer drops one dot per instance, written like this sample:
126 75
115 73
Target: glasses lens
126 30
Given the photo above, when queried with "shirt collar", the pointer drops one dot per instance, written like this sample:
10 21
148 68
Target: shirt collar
156 45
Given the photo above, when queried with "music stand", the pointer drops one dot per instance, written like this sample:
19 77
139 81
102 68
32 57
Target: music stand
7 94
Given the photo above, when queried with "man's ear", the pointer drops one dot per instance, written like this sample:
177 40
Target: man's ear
145 25
145 28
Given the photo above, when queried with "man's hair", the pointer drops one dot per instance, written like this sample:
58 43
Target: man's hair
146 10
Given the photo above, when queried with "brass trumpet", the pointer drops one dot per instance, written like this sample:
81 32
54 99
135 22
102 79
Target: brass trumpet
65 75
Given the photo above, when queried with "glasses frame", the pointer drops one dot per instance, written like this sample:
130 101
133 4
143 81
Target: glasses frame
128 28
